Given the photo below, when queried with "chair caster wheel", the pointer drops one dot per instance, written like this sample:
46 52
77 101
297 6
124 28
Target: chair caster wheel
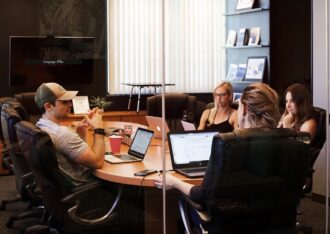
10 222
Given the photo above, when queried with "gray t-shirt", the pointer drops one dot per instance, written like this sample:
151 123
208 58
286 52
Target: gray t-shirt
68 145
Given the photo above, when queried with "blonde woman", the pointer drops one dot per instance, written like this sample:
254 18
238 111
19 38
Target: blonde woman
222 116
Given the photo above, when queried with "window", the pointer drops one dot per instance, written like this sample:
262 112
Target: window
193 39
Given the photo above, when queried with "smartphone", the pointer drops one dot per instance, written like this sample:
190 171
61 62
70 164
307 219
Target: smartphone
145 172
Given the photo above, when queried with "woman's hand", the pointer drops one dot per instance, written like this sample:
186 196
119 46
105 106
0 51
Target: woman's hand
288 121
170 181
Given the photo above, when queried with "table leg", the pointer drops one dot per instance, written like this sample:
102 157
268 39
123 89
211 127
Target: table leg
138 102
130 98
155 90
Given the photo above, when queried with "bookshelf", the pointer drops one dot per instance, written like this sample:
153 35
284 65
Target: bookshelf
285 40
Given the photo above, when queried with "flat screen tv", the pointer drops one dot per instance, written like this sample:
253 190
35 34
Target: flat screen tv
36 60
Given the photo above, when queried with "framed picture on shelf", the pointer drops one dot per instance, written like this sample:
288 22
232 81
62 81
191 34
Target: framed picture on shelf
244 4
255 68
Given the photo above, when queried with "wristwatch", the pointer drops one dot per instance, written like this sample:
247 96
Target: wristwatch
99 131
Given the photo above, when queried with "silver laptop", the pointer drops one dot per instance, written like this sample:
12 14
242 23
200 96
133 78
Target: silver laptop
137 150
190 151
155 124
188 126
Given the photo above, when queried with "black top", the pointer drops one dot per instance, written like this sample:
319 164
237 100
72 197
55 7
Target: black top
224 126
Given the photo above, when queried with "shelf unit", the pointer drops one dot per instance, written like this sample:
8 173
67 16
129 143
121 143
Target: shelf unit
235 20
286 40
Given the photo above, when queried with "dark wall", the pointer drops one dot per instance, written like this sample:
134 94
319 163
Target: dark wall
81 18
17 17
291 38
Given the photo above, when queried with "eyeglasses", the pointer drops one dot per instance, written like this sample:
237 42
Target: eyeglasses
220 94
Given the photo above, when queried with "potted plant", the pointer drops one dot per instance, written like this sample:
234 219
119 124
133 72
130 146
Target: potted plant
99 102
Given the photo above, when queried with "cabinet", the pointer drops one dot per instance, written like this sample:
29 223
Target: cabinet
285 40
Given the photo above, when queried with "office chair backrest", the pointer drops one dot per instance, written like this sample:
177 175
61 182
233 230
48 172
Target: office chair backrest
2 101
27 101
38 149
261 171
320 135
177 107
9 118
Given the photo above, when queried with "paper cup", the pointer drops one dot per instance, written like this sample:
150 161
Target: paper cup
115 143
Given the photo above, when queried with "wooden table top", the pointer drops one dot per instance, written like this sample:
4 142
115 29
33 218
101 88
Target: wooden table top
124 173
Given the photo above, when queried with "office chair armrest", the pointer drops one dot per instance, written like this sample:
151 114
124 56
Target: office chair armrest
187 208
31 184
8 163
74 197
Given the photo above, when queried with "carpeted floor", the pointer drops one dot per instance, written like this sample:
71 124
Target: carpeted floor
313 213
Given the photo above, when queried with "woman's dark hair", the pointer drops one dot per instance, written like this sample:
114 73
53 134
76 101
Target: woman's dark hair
302 98
262 104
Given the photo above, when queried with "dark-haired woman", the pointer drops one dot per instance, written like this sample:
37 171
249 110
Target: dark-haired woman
299 113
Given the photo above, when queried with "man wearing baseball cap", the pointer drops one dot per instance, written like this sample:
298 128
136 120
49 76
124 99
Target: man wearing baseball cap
75 157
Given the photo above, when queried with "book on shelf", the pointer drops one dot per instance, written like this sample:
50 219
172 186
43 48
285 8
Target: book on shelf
232 72
254 36
243 37
231 40
241 70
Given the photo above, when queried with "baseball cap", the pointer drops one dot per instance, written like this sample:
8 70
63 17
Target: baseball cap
50 92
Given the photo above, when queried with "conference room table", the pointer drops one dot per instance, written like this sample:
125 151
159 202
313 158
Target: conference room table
124 174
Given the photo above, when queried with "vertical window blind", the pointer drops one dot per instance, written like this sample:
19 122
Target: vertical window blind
194 34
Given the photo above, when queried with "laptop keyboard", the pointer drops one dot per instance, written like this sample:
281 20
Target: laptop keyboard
124 157
194 170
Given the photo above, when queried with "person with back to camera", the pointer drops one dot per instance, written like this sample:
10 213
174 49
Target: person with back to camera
75 157
258 108
222 116
299 112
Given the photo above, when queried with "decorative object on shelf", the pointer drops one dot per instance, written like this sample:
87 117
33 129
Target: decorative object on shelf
254 36
80 104
244 4
232 72
231 40
255 68
243 37
236 96
241 70
99 102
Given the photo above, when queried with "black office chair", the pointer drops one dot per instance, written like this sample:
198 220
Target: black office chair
27 101
255 178
178 106
72 208
24 178
316 146
6 160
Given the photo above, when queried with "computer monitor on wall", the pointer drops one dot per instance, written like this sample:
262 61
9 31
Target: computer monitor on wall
36 60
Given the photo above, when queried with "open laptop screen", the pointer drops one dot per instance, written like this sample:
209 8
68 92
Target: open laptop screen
193 147
140 142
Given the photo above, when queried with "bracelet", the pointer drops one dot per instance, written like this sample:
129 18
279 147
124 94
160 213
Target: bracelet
99 131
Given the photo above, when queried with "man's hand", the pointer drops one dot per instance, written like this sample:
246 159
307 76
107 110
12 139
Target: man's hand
81 128
94 118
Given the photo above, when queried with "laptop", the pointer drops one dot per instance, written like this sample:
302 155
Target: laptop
155 124
190 151
188 126
137 149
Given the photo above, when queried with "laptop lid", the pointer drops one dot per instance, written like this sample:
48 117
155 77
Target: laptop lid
190 149
140 143
155 124
188 126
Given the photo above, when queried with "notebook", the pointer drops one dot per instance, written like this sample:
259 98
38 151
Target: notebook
137 149
190 151
155 124
188 126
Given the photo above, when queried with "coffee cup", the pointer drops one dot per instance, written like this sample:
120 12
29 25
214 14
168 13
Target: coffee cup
115 143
